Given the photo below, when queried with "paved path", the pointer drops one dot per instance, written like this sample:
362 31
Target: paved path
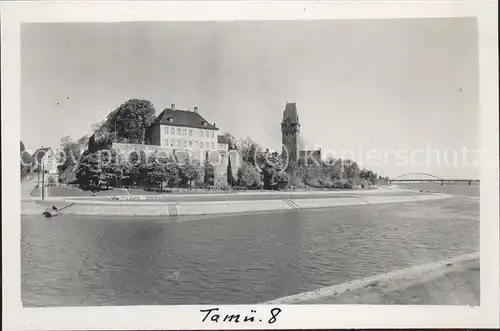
27 186
242 196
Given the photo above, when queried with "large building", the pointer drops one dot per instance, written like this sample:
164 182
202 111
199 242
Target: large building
185 134
188 131
291 142
174 132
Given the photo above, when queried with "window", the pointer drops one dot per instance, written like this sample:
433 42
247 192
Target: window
185 132
190 132
173 131
190 143
178 131
206 134
172 142
166 130
212 134
201 144
178 143
201 133
185 143
213 145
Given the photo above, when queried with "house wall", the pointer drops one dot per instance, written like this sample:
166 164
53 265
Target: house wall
193 140
50 162
172 136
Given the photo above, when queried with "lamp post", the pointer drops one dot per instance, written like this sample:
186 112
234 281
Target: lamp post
43 180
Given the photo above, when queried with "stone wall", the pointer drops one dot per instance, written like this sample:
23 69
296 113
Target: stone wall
220 160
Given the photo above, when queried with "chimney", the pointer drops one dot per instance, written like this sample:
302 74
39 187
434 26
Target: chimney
196 109
172 106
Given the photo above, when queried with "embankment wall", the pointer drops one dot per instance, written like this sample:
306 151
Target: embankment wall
155 208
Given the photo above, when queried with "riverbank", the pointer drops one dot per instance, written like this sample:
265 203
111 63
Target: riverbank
242 195
189 208
454 281
61 192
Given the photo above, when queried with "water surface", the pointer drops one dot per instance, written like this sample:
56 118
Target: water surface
236 259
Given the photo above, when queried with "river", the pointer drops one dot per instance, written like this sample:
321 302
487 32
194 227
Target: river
236 259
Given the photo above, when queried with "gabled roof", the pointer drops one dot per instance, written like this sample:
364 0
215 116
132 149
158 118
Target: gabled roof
184 118
40 153
290 113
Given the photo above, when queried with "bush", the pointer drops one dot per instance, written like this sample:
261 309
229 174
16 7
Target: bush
341 183
221 181
364 183
249 176
223 187
200 185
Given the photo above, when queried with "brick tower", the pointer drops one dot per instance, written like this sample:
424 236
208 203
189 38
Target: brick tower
290 129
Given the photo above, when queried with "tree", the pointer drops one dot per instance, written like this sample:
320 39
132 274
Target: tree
153 172
248 149
249 176
209 170
111 170
351 170
188 173
273 172
231 141
230 177
98 125
296 173
368 175
26 160
127 173
71 150
172 172
89 171
132 169
131 120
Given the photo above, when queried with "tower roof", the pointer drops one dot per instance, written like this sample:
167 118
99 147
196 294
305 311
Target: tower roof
290 113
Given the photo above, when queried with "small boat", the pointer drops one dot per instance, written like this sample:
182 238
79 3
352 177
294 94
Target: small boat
51 211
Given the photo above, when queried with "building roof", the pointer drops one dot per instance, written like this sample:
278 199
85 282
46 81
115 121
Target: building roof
184 118
222 140
290 113
40 153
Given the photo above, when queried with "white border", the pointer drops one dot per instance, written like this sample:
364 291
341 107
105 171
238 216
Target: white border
292 317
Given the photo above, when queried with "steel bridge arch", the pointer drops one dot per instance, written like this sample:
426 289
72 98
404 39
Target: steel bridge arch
416 173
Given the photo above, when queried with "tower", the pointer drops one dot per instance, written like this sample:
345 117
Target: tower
290 129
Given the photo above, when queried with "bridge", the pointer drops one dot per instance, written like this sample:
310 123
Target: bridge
420 177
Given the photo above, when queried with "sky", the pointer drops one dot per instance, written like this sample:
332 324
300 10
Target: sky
395 95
